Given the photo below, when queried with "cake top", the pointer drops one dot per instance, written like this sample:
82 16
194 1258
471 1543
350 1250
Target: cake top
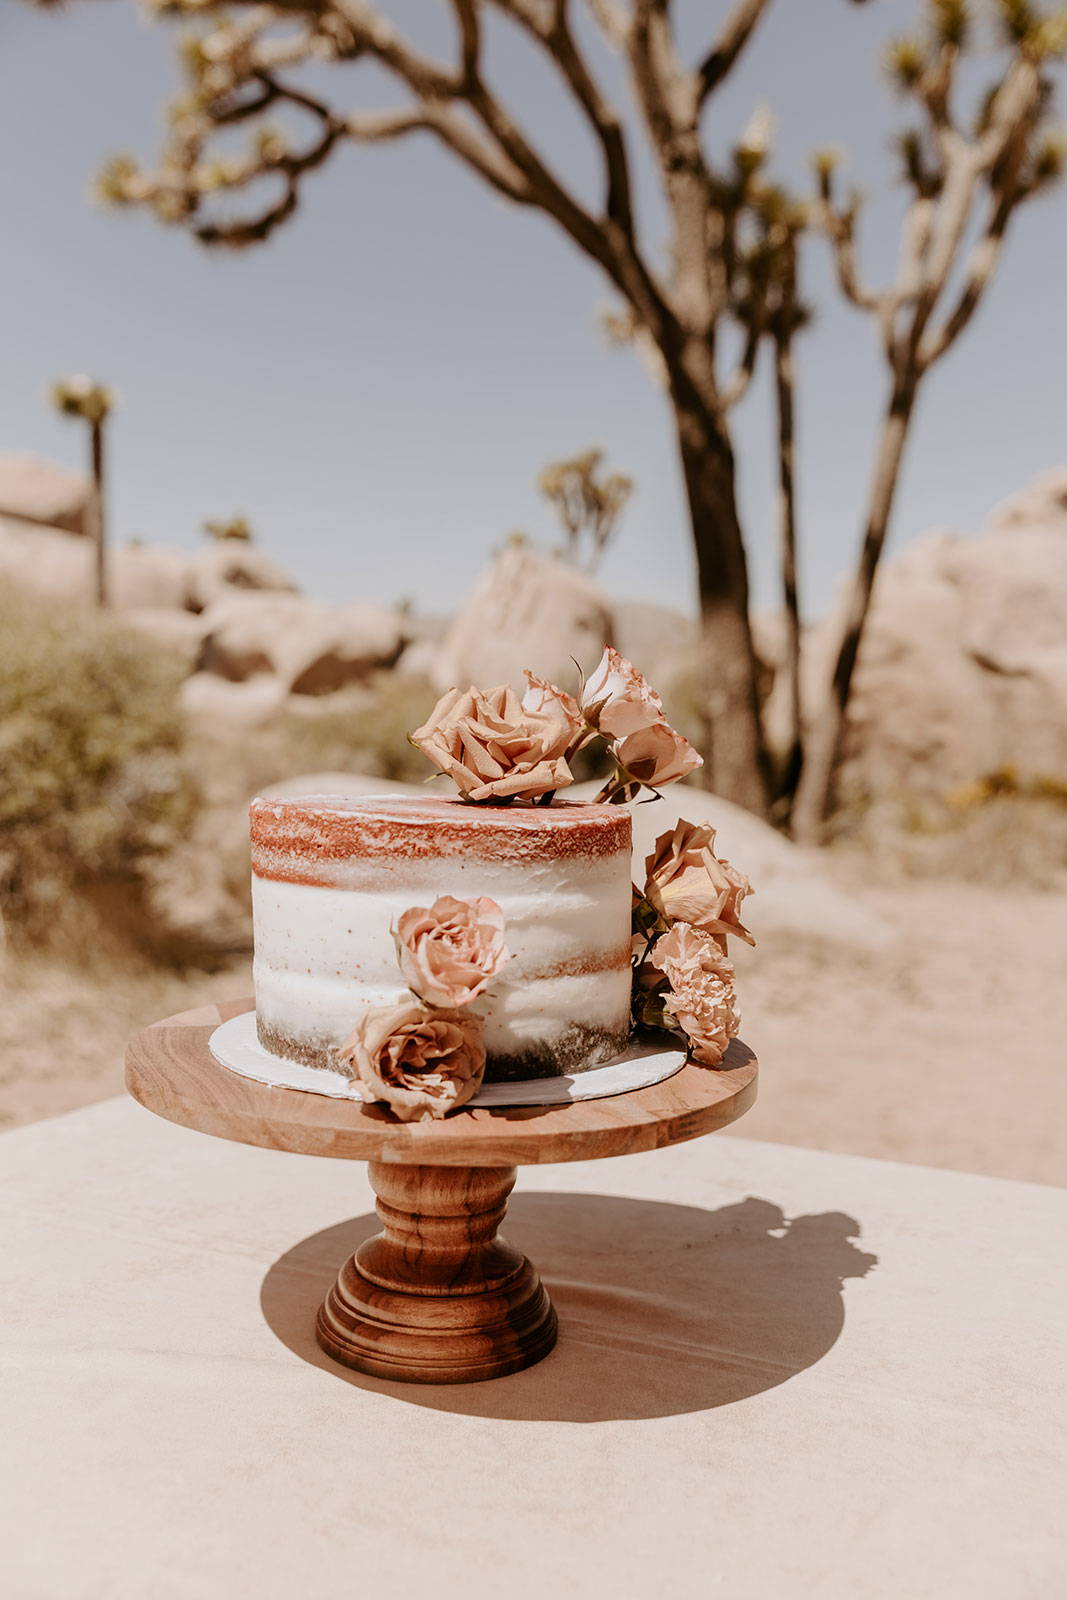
334 828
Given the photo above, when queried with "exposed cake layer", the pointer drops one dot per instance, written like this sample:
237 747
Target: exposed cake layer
331 876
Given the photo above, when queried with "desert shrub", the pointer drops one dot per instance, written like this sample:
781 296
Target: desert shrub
360 730
993 831
371 737
92 783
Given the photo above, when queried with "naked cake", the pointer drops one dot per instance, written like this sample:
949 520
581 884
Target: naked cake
418 945
331 877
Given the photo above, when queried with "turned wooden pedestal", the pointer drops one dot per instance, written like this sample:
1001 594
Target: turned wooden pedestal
438 1296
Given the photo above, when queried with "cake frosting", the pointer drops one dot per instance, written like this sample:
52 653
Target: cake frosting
331 876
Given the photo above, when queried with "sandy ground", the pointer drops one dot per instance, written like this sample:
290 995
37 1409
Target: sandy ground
949 1049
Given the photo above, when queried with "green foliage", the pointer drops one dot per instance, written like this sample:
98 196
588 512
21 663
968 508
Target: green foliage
91 779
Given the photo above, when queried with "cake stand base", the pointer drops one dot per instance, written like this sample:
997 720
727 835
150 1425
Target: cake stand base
438 1296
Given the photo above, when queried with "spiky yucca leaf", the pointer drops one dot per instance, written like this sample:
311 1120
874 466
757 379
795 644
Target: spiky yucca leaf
950 21
1017 19
1048 40
1047 162
112 185
905 63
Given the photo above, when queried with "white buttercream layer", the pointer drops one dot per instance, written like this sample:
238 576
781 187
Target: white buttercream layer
325 953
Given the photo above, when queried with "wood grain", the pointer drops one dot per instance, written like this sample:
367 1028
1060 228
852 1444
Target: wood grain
438 1296
171 1071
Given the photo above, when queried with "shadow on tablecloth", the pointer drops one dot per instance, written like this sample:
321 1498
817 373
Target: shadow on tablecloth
663 1308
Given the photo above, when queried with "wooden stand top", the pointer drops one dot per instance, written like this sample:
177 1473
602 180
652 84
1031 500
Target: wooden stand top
171 1071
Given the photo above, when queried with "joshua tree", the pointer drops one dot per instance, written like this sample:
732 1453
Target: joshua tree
247 64
238 528
92 402
962 172
768 306
587 502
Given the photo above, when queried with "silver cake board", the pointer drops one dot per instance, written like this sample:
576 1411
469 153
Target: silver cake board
235 1045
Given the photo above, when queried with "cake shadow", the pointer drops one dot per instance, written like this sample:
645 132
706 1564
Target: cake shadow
663 1309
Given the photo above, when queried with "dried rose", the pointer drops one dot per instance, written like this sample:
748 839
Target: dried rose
422 1063
700 997
449 951
687 882
544 698
617 699
494 749
656 755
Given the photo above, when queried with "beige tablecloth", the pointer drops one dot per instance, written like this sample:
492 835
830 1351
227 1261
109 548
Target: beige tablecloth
781 1373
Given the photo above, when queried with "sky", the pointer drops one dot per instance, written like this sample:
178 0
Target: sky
379 386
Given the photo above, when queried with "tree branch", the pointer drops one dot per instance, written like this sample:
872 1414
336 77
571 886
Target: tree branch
840 229
602 117
735 34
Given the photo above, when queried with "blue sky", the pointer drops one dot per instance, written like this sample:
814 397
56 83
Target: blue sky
379 386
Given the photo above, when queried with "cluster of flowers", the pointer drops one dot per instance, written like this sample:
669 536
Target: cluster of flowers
425 1056
683 980
498 748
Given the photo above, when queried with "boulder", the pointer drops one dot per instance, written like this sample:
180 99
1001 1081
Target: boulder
35 490
147 575
344 645
47 562
311 649
653 637
177 631
1042 504
62 566
214 703
963 668
527 610
228 567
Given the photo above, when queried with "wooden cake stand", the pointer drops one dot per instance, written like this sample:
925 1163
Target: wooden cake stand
437 1296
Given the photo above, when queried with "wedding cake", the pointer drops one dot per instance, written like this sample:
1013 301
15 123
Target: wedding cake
332 877
419 945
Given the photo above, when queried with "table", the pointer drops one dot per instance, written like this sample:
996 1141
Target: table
438 1296
787 1375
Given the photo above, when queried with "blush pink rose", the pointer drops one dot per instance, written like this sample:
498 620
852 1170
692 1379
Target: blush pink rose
617 699
449 951
687 882
493 749
656 755
422 1063
623 706
700 997
543 698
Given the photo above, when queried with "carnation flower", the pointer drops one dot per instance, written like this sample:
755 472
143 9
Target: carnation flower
449 951
422 1063
700 995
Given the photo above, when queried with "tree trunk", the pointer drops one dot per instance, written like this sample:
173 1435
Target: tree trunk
97 527
815 795
736 764
783 376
